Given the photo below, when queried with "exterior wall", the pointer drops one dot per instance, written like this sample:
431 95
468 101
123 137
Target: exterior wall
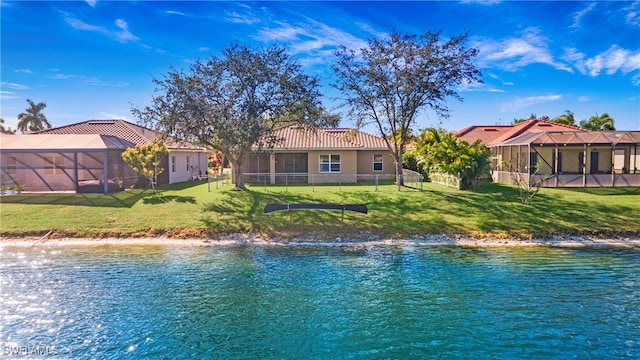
355 165
348 167
546 162
365 164
186 165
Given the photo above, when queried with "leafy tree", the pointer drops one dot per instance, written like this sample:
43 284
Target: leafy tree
33 119
598 122
531 117
440 151
5 130
145 160
516 121
392 80
233 102
566 119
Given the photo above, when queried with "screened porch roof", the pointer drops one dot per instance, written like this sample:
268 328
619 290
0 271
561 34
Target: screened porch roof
575 138
58 142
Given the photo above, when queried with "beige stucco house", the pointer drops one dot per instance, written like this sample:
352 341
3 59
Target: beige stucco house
325 155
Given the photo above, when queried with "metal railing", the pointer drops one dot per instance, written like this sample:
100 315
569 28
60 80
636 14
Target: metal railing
218 180
412 179
313 180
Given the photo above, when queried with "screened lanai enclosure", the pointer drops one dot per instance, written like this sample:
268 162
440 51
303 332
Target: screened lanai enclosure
291 168
571 158
66 163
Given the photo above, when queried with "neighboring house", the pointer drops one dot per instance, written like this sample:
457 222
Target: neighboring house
570 156
85 157
325 155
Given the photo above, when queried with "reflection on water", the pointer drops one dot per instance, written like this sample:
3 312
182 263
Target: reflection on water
295 302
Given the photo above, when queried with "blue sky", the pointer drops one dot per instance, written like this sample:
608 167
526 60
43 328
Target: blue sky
95 59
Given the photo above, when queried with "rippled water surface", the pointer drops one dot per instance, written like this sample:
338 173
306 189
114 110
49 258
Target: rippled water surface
292 302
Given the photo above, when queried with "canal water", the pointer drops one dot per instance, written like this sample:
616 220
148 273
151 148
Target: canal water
358 302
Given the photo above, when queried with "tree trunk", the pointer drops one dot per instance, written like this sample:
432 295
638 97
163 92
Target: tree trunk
399 179
238 171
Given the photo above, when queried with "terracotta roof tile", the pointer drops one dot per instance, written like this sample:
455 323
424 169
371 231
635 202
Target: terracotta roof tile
294 137
491 135
125 130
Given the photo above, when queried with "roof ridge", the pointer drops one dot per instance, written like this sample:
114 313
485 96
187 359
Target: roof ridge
342 138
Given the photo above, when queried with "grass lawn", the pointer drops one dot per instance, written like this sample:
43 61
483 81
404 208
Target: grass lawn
188 209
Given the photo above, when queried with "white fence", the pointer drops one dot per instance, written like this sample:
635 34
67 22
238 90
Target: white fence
445 179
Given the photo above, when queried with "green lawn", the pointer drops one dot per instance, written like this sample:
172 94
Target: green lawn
188 209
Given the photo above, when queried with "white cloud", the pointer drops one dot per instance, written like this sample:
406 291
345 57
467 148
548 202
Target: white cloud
585 98
610 61
8 95
60 76
635 79
496 77
237 18
172 12
25 71
513 53
123 35
13 86
110 116
310 37
521 103
632 15
482 2
91 3
577 17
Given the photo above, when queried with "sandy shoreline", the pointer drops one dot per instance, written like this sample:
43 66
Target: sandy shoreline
257 240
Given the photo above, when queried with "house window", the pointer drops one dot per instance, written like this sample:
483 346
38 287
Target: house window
188 163
12 168
173 164
329 163
377 162
53 164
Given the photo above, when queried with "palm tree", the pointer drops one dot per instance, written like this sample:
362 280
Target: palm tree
33 119
566 119
598 123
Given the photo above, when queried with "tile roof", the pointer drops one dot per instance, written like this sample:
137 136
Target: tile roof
295 137
43 142
122 129
491 135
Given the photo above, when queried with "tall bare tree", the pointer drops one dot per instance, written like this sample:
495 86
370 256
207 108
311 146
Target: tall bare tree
233 102
390 81
33 119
